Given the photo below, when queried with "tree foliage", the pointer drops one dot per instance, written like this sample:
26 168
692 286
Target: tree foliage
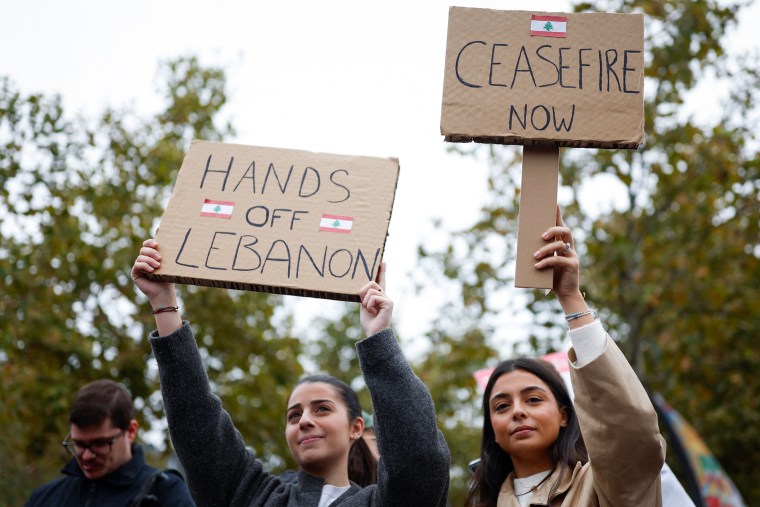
673 266
78 198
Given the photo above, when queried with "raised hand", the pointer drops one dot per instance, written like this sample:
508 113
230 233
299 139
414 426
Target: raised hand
376 307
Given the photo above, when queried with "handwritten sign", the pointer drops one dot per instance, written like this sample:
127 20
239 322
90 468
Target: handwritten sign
543 80
279 221
522 77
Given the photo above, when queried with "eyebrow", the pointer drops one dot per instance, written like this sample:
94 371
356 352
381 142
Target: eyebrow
522 391
312 402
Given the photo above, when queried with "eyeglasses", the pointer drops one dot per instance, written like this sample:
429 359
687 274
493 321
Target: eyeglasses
99 447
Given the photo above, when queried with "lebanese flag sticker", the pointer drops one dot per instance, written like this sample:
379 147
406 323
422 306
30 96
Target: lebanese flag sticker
548 26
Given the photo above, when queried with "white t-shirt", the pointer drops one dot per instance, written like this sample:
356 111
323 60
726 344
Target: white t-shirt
523 487
331 493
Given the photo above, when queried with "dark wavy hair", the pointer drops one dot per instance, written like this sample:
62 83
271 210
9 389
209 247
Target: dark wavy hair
495 464
362 465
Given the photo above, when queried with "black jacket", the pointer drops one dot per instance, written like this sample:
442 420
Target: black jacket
117 489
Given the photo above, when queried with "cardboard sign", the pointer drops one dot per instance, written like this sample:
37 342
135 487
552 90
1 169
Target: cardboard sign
526 77
279 221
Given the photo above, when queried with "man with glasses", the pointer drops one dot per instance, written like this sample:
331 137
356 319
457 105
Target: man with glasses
108 468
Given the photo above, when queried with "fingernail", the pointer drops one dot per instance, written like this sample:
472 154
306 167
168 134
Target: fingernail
545 235
538 252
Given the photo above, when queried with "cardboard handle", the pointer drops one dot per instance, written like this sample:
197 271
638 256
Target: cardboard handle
538 204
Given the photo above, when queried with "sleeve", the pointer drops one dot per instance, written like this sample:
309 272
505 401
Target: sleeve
588 342
414 458
219 469
619 427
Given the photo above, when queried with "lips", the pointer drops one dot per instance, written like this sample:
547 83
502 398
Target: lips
309 439
521 430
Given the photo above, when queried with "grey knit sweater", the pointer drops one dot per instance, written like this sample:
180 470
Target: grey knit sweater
414 464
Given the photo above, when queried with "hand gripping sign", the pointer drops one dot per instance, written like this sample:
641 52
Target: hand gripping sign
279 221
543 80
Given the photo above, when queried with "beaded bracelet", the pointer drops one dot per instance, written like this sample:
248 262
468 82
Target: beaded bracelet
164 309
578 315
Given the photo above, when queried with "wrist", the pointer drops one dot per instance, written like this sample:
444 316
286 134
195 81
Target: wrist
573 303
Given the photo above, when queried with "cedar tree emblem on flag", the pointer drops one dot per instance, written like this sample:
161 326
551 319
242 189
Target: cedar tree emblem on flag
217 209
548 26
336 223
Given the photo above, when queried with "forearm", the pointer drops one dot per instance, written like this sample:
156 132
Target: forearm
619 426
415 459
209 447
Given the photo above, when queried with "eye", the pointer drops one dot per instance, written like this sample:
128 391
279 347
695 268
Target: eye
534 399
501 406
323 408
293 416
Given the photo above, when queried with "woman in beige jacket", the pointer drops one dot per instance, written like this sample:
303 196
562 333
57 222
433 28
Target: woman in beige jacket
532 450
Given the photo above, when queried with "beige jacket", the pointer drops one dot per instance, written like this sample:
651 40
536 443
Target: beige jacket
619 426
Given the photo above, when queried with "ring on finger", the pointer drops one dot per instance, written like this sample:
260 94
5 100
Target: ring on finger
567 248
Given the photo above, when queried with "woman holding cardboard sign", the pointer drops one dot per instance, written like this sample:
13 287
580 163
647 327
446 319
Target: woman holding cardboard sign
532 451
322 420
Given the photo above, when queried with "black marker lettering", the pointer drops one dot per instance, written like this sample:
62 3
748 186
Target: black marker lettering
277 259
581 65
212 247
182 248
302 250
556 69
251 211
271 170
456 66
306 172
515 113
251 169
332 179
563 85
493 63
226 173
518 69
627 69
247 246
367 270
562 124
533 117
610 70
348 267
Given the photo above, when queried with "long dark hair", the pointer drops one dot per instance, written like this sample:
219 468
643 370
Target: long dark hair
362 465
495 464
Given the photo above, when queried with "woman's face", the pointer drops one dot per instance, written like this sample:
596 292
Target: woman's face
318 430
526 420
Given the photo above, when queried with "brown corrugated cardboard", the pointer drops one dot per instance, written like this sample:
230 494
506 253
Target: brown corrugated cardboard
274 220
515 77
543 80
538 203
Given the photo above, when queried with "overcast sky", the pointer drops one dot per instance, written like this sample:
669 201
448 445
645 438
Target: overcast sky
340 76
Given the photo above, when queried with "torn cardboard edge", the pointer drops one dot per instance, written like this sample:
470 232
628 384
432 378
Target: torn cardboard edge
253 287
514 140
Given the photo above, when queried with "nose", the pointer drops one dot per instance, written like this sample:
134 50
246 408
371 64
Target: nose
87 454
305 420
518 412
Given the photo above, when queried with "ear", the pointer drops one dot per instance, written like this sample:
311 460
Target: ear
564 421
357 428
131 431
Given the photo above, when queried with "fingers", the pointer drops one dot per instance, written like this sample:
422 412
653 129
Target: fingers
559 221
371 294
148 260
